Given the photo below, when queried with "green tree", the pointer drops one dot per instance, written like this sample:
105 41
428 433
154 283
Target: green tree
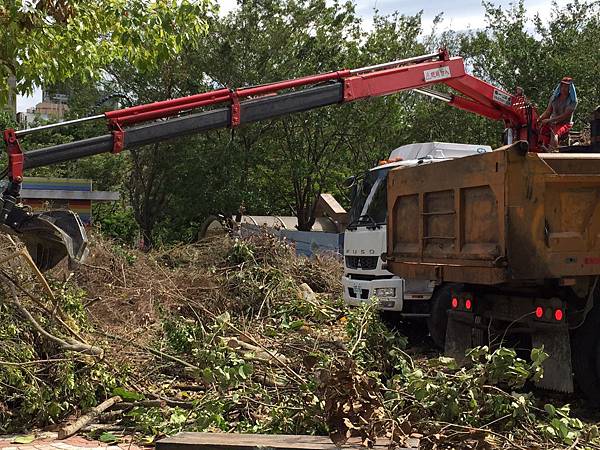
293 159
44 42
280 166
513 51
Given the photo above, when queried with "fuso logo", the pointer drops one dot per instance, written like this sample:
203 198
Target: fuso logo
361 251
437 74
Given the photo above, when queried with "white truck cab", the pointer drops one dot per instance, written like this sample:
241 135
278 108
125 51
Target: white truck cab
365 269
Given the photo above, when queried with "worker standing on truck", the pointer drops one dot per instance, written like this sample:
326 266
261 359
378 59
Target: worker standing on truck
557 120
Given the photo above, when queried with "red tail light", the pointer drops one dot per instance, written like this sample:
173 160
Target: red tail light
468 304
454 302
558 315
539 312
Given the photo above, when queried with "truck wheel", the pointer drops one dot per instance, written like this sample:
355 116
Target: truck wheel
586 355
414 330
391 319
438 320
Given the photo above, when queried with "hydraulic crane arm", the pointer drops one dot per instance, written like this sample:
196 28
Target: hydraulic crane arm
139 125
124 138
258 103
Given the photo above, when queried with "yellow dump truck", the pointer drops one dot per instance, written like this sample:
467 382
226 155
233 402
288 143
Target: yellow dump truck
512 240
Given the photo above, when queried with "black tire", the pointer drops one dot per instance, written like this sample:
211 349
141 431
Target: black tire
204 227
391 319
414 329
440 304
585 355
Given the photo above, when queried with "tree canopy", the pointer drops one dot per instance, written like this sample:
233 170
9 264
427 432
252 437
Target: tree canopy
48 41
281 166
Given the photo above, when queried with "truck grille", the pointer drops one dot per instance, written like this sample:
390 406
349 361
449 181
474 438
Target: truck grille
362 262
354 293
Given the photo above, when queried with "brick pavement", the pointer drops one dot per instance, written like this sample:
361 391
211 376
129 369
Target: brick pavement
49 441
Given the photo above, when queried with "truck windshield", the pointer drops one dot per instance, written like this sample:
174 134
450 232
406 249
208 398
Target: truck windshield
369 205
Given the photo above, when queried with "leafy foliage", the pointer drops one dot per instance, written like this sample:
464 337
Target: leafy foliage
117 223
49 42
261 354
509 53
316 366
280 166
40 384
370 339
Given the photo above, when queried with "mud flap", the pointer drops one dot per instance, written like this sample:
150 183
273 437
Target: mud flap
459 335
53 235
558 373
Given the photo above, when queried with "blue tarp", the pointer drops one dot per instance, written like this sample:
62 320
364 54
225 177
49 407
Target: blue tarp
307 243
310 242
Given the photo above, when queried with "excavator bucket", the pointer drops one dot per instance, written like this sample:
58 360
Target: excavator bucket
53 235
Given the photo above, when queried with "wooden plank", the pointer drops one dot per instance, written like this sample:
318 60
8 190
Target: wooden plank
234 441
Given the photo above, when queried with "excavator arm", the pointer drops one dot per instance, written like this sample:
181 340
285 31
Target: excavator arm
140 125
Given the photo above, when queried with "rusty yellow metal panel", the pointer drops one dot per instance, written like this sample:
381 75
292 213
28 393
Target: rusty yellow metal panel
455 219
406 238
496 217
480 222
553 216
439 231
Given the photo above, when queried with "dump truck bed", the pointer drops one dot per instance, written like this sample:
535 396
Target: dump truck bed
497 217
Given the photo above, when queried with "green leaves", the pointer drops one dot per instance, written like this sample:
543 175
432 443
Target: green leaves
24 439
291 326
178 418
244 371
60 40
108 438
127 395
550 409
514 50
562 426
503 366
371 344
35 394
154 422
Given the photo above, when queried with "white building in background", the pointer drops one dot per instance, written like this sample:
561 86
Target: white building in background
53 107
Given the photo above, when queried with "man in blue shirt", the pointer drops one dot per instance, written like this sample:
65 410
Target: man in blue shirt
557 120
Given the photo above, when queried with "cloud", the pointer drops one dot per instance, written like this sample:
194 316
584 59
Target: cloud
458 15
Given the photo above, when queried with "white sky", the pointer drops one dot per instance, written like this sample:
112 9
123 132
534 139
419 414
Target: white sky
458 15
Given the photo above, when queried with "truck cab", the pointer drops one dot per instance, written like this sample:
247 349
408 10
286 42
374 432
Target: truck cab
365 266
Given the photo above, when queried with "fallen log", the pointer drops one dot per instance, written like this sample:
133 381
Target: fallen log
69 430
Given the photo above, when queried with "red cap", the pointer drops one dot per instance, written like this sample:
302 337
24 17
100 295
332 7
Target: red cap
567 80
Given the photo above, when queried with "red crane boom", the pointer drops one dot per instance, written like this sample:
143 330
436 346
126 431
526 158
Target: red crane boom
245 105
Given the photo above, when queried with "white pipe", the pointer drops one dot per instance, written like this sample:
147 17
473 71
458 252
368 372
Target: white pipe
414 59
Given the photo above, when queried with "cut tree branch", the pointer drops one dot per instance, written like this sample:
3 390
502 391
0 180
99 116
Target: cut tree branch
69 430
71 345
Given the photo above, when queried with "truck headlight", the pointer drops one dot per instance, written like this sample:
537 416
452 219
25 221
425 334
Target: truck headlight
385 292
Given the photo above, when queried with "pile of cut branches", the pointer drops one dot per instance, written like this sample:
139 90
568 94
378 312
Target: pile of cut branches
242 335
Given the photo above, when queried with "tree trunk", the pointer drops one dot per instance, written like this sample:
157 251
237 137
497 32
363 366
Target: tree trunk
147 240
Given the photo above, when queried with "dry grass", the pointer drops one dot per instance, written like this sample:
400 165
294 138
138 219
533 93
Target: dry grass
130 293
